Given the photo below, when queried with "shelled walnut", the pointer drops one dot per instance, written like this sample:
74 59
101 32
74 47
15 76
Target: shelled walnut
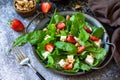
24 5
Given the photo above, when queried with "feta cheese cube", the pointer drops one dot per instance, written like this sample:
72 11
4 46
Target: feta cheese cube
62 63
63 38
77 39
46 37
45 54
98 43
89 59
70 58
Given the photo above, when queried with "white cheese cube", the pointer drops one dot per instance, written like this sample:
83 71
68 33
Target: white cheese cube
62 63
63 38
98 43
70 58
76 39
89 59
46 37
45 54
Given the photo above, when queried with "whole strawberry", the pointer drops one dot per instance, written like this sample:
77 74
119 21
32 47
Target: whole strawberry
16 25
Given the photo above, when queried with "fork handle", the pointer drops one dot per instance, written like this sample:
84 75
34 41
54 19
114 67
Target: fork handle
36 72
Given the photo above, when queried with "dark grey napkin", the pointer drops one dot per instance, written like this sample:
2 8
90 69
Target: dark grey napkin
106 11
116 41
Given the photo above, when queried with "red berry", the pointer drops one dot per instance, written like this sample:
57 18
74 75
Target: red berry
45 7
49 47
68 66
61 25
94 38
17 25
81 49
71 39
87 29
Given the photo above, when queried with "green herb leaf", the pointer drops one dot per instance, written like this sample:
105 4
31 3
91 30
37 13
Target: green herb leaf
98 32
83 35
66 47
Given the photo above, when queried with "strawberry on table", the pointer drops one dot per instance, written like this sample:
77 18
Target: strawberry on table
17 25
45 7
49 47
61 25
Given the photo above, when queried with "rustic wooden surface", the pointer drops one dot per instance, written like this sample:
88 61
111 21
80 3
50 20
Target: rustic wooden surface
11 70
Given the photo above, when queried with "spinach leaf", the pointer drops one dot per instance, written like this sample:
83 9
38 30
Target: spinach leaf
58 18
51 29
32 37
74 29
99 53
84 66
50 62
98 32
66 47
83 35
78 17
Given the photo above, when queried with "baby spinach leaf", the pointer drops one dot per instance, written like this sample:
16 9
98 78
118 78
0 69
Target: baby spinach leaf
51 29
78 17
98 32
32 37
59 18
84 66
99 53
83 35
66 47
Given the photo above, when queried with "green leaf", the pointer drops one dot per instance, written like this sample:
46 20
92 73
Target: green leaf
79 17
50 62
66 47
74 29
59 18
99 53
32 37
51 29
83 35
84 66
98 32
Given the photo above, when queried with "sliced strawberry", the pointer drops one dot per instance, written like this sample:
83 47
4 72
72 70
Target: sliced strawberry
61 25
94 38
71 39
45 7
17 25
87 29
49 47
68 66
81 49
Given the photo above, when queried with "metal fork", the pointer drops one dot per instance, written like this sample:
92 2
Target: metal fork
25 61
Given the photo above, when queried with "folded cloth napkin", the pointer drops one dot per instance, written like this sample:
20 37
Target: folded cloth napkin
106 11
116 40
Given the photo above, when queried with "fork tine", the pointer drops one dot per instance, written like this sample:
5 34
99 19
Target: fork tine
19 54
22 54
16 56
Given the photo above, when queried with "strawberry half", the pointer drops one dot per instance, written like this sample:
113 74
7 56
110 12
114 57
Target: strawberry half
68 66
45 7
81 49
94 38
61 25
17 25
87 29
49 47
71 39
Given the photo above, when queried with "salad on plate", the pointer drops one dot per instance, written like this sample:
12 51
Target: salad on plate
67 43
